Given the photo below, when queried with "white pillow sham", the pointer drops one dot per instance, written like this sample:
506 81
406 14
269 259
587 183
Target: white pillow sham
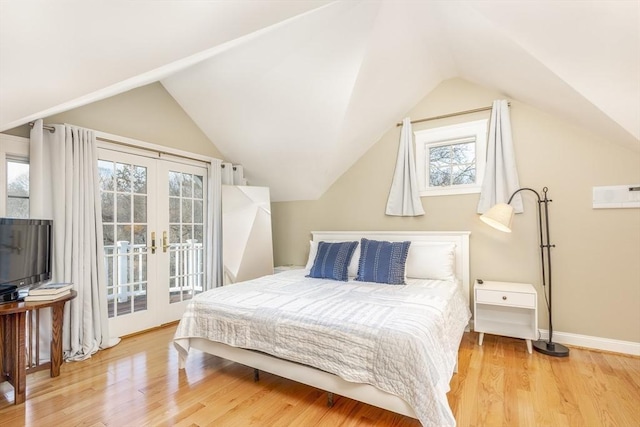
431 260
352 271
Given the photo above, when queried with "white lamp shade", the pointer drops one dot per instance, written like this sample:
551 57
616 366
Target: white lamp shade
499 217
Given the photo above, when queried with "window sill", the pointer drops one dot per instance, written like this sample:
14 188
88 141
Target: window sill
449 191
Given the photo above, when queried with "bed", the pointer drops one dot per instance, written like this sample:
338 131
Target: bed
402 340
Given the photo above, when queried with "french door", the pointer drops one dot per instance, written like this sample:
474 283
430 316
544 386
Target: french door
154 228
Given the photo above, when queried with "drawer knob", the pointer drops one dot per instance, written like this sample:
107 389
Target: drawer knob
504 297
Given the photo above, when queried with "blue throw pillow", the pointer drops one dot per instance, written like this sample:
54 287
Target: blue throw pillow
332 260
382 262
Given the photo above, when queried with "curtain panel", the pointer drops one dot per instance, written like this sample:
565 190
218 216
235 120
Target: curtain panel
501 174
404 196
214 224
66 189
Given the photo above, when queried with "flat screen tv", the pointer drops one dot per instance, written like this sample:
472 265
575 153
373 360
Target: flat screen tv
25 253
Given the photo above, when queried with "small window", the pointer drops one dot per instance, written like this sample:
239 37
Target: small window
451 159
17 189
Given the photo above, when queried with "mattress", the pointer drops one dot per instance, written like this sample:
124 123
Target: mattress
402 339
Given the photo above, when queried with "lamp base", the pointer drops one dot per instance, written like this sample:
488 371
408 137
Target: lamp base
550 348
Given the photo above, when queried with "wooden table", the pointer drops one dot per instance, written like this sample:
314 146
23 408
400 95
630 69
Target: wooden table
13 352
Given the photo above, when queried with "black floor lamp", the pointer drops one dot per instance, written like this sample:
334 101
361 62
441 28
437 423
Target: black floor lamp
500 217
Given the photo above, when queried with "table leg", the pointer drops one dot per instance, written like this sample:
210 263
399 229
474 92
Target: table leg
17 355
529 349
57 313
480 338
3 336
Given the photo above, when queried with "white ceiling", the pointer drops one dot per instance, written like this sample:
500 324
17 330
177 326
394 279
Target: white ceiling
297 91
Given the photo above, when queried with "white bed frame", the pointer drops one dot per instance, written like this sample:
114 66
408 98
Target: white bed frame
323 380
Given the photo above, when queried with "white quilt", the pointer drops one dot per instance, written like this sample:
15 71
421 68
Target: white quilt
400 339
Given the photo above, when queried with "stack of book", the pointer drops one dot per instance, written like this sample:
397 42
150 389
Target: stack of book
49 292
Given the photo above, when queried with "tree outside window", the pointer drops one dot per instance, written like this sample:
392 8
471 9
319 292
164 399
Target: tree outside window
452 164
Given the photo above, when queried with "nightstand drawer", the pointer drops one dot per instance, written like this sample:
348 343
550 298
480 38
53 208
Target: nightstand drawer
484 296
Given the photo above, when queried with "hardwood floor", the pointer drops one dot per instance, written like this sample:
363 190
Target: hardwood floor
138 383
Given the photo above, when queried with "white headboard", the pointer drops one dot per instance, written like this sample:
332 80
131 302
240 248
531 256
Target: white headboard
460 238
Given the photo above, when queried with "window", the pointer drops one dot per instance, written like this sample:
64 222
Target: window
17 189
14 176
451 159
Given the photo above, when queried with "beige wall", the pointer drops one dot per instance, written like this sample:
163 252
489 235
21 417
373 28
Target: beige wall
596 262
147 113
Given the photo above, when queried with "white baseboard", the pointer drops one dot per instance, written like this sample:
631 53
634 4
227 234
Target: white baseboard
597 343
587 341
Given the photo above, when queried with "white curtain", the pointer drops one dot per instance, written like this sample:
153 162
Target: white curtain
65 188
501 175
404 197
214 237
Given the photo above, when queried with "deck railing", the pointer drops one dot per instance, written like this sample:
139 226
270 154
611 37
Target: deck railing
126 266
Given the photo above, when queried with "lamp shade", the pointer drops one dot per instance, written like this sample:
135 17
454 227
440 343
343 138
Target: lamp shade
499 217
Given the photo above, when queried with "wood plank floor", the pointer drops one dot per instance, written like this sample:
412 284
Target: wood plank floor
137 383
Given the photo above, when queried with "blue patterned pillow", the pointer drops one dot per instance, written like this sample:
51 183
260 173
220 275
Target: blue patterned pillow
382 262
332 260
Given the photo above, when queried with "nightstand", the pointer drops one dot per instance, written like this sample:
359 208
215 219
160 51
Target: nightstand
508 309
283 268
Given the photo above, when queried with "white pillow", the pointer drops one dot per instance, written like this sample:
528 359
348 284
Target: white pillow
352 271
313 250
431 260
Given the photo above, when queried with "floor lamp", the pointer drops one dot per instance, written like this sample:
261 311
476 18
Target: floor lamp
500 217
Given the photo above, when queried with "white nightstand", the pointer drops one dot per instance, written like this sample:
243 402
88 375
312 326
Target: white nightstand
509 309
283 268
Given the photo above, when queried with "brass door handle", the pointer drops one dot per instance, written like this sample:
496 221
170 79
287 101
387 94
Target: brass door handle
164 241
153 242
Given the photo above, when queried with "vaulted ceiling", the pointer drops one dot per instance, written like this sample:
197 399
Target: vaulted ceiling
297 91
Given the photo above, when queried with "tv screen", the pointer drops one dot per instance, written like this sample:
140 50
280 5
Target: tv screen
25 252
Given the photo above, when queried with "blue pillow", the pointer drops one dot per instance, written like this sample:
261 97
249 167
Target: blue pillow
332 260
382 262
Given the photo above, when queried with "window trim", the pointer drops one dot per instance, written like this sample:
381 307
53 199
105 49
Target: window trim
447 135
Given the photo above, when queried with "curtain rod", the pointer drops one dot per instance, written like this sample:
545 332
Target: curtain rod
459 113
49 128
443 116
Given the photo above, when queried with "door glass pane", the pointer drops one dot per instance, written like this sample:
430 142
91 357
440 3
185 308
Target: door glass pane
198 234
174 234
174 210
198 211
197 187
123 177
187 211
140 208
124 208
107 206
186 230
106 175
124 216
174 184
139 180
107 236
187 185
123 233
140 235
187 233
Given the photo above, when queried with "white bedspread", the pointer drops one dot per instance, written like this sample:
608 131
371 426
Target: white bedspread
400 339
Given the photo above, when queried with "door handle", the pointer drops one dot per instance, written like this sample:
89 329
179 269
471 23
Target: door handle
153 242
164 241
